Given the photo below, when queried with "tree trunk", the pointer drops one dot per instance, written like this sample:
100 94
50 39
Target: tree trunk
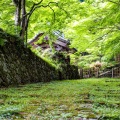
20 17
17 3
24 20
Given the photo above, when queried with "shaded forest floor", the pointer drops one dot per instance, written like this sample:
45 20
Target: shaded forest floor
91 99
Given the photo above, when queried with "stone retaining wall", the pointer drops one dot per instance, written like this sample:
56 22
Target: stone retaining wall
19 65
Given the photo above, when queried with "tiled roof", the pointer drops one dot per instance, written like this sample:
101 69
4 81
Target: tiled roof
36 38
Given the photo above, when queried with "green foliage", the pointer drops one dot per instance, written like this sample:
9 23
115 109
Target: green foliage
95 29
46 57
7 11
2 42
92 26
48 16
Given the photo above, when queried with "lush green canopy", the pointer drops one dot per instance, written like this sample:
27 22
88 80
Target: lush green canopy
92 26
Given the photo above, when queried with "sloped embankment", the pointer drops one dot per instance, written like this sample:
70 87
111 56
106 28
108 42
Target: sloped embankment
19 65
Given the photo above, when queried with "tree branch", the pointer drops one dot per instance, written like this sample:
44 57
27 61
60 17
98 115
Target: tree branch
34 7
29 15
99 38
37 5
118 3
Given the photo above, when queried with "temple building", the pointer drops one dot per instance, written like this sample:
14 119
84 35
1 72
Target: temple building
59 45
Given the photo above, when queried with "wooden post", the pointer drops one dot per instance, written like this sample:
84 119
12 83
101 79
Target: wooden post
81 73
60 75
97 72
112 72
90 73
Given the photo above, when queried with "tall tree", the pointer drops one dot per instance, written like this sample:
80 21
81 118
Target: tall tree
96 28
25 9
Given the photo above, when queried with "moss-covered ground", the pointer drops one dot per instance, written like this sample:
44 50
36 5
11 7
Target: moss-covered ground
91 99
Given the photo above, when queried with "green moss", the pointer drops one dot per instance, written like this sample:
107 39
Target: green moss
90 98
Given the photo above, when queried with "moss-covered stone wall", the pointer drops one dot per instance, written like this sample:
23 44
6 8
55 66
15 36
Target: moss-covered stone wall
19 65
